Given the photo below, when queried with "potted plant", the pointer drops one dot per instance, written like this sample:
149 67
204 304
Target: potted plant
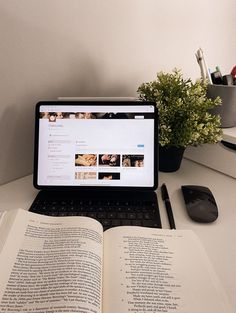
184 117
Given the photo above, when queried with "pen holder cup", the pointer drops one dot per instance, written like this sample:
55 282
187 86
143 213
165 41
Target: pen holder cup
227 110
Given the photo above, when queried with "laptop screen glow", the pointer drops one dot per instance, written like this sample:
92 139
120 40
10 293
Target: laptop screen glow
96 145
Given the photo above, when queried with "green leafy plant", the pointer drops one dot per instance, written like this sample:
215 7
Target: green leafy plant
183 106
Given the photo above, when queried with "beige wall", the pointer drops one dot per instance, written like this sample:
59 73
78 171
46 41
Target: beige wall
53 48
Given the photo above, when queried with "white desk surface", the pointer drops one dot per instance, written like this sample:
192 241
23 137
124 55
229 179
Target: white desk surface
218 238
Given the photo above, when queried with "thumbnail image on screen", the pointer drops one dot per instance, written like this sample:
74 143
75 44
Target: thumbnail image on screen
133 160
85 175
109 160
108 176
85 160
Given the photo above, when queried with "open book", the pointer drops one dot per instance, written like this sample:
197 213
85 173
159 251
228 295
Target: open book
67 264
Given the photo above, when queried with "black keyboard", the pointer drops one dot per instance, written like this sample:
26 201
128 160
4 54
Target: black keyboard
108 212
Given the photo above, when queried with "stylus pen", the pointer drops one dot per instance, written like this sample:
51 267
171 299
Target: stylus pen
166 199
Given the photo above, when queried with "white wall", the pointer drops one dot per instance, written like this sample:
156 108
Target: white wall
51 48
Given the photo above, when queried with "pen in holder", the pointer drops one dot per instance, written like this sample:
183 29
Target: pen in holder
227 110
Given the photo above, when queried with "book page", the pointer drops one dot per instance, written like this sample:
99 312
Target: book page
51 264
152 270
6 220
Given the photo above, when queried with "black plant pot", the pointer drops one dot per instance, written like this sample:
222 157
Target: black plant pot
170 158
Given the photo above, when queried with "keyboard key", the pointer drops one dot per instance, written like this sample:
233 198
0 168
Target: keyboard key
137 223
126 222
93 215
140 216
148 223
132 216
121 215
102 215
147 216
106 222
111 215
115 222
